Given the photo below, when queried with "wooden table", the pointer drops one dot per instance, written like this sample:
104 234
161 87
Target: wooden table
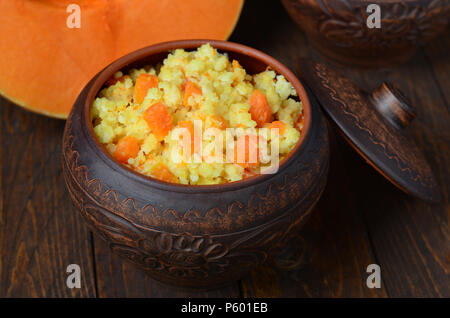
361 218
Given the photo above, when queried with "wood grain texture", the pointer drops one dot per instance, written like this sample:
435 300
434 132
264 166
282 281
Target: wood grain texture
436 53
361 218
40 233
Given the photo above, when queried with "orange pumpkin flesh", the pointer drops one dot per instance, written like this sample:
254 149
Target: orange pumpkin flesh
44 64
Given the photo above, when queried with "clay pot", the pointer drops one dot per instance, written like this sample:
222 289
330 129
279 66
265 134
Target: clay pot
193 236
338 28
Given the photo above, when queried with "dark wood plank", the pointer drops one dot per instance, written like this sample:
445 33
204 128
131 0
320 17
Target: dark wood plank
437 54
330 255
40 231
119 278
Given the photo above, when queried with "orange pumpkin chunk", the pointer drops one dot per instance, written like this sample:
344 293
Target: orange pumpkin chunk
260 108
158 120
190 89
161 172
143 83
127 147
246 151
280 125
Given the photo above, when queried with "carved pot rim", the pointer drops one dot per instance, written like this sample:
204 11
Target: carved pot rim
95 85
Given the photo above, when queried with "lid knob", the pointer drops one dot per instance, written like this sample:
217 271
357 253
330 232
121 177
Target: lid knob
393 105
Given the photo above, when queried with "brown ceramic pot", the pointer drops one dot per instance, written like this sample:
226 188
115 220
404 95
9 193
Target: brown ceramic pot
338 28
193 236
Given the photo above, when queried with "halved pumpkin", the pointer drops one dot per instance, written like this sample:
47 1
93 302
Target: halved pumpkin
44 64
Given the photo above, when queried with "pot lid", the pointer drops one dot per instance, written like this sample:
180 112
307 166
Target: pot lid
373 124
